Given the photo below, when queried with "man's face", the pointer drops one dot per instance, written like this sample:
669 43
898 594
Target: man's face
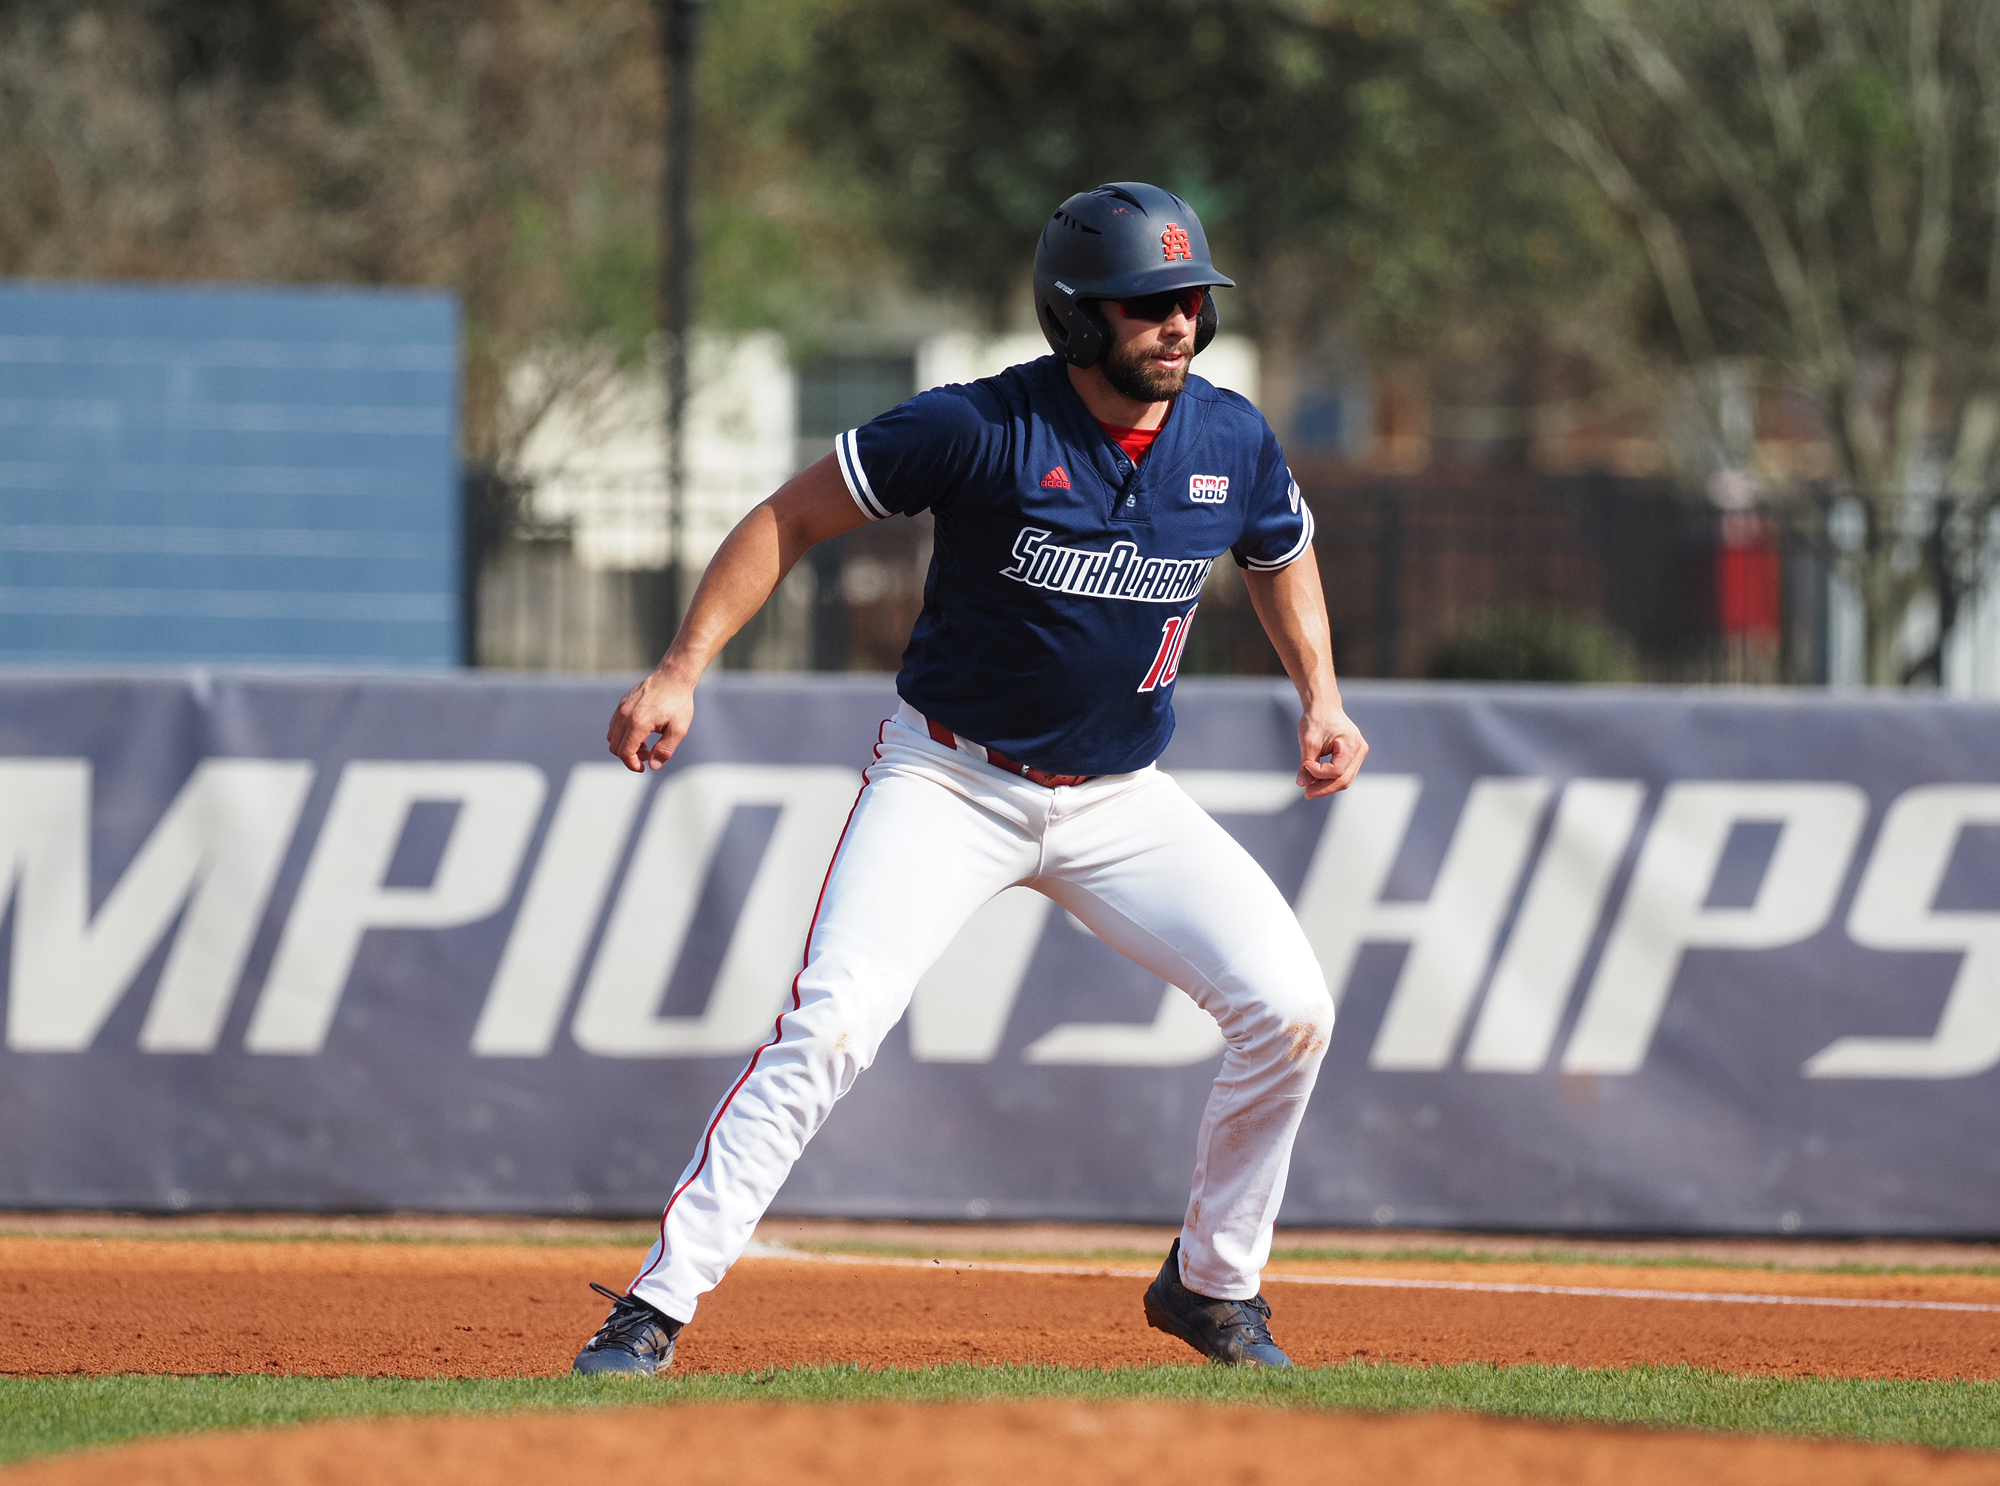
1147 360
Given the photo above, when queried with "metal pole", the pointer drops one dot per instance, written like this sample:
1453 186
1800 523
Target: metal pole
1389 578
680 34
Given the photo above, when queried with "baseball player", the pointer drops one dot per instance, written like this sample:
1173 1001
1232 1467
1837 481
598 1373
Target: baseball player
1079 502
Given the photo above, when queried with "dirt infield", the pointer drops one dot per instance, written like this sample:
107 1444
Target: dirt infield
994 1445
1017 1239
422 1310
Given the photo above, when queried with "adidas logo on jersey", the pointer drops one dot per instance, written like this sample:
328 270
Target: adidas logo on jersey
1208 490
1056 479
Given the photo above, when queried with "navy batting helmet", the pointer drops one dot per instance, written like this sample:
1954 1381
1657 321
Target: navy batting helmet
1117 242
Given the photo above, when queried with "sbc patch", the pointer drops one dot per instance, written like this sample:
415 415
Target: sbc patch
1208 490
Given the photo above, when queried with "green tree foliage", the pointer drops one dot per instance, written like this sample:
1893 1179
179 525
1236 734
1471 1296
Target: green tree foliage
505 150
1338 181
1817 185
509 149
789 241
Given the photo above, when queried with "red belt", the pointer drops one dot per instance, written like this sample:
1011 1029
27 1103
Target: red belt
942 734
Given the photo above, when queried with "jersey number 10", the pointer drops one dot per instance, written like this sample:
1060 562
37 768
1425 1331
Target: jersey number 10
1173 640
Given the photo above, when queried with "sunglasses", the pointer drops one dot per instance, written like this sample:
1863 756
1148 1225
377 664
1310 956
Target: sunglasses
1157 307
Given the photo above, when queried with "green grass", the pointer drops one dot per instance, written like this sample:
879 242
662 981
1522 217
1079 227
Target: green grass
39 1416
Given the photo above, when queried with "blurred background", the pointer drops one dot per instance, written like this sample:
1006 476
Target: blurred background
1656 340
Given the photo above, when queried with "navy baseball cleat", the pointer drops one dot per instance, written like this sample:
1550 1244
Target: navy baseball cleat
1233 1332
634 1341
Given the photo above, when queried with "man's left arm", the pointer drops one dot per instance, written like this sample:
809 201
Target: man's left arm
1292 609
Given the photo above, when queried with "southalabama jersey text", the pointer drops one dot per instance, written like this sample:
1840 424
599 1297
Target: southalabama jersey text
1117 573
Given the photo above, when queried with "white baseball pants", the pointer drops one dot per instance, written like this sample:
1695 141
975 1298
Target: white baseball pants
935 833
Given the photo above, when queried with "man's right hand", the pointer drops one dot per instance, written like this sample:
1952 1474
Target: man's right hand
662 704
753 559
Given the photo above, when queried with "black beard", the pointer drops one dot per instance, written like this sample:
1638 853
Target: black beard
1133 373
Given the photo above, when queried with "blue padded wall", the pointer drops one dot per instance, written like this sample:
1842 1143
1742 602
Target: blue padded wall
218 475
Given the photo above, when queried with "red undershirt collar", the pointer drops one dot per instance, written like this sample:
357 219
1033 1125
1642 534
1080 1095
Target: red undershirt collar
1134 441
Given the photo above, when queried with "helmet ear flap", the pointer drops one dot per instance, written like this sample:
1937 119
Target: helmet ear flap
1076 329
1092 333
1205 323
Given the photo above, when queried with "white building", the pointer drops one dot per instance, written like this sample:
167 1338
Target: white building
596 460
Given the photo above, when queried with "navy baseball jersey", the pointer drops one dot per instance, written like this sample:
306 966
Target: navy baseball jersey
1063 576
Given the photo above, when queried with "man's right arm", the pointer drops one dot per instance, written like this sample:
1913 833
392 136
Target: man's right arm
753 559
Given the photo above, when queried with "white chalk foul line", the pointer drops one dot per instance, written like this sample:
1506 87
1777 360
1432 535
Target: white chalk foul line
1374 1282
1713 1297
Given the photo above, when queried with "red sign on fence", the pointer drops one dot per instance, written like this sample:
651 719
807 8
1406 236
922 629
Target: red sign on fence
1747 579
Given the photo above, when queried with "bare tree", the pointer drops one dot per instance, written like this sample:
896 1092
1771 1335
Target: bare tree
1815 183
508 151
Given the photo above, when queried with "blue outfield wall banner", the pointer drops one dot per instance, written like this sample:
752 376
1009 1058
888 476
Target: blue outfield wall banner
1605 960
228 475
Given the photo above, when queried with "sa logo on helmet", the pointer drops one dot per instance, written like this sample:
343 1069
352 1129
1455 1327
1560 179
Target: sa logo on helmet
1174 242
